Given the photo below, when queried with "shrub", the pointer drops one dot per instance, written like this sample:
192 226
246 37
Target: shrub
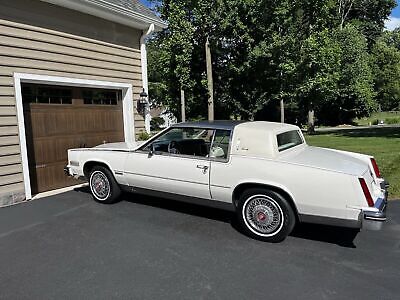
143 136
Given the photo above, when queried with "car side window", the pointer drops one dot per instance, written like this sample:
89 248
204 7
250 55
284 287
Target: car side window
183 141
220 147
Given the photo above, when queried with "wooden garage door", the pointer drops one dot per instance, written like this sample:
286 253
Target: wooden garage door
60 118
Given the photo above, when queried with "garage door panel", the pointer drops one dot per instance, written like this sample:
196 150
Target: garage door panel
52 129
51 177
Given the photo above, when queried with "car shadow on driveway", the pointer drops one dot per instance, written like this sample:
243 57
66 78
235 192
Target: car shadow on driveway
340 236
329 234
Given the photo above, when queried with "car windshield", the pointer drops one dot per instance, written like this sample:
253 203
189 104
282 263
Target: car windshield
288 140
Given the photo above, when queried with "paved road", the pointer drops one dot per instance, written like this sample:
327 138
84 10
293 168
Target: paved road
67 246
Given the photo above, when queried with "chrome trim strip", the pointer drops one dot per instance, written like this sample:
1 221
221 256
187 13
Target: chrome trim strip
167 178
220 186
375 218
183 198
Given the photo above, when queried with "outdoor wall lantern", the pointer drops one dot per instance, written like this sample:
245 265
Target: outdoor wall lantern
142 102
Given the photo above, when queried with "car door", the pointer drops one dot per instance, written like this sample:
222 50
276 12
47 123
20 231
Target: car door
177 162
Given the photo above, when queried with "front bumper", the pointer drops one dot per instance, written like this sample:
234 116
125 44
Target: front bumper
373 220
66 171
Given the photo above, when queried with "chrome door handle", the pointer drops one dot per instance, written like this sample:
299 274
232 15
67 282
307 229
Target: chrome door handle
204 168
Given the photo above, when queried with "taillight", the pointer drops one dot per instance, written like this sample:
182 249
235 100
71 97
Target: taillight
366 192
376 169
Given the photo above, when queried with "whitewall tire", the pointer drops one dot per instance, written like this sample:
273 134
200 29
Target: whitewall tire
265 215
103 186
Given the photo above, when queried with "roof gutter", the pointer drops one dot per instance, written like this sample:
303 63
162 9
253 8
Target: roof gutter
105 10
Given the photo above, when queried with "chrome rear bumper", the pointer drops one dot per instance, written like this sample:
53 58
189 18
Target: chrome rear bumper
373 220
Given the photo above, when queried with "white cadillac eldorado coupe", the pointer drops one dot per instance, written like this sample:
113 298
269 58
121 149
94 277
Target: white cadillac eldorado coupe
264 171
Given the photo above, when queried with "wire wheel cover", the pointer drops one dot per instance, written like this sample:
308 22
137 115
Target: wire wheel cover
100 185
263 214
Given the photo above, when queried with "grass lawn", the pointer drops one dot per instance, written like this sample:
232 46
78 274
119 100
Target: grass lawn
387 117
382 143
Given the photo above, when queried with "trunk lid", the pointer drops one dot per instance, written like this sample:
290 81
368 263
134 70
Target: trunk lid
326 159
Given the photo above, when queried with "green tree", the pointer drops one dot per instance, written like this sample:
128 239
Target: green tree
356 93
387 72
320 72
310 54
369 16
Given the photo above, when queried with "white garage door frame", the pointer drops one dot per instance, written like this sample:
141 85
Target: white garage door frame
127 108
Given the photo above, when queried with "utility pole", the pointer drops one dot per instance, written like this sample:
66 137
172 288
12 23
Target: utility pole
210 82
183 108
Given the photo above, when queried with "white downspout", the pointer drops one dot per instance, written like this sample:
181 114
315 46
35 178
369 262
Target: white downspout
145 82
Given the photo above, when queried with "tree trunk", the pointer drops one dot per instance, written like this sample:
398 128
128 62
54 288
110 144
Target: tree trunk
311 128
282 111
183 108
210 82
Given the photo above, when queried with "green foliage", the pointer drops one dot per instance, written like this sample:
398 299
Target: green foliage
312 54
356 94
387 70
320 69
143 136
369 17
156 123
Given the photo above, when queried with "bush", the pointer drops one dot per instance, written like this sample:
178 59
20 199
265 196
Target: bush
143 136
156 123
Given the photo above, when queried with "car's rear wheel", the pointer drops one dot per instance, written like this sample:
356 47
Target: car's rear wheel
103 186
265 215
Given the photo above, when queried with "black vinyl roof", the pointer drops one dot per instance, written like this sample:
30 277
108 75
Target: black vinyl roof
227 125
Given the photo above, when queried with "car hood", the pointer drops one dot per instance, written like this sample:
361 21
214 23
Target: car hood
327 159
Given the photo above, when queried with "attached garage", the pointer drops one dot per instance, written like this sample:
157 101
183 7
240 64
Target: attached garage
70 76
58 118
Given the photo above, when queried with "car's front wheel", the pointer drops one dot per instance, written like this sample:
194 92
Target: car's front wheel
265 215
103 186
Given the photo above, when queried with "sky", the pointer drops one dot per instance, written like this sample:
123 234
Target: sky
394 20
392 23
148 4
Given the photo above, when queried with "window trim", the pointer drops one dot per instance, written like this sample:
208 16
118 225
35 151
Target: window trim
291 147
161 133
228 154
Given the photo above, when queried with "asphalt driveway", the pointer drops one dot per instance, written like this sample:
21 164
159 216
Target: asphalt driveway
68 246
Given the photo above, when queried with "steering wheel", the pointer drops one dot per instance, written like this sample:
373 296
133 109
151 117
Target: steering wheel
173 147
